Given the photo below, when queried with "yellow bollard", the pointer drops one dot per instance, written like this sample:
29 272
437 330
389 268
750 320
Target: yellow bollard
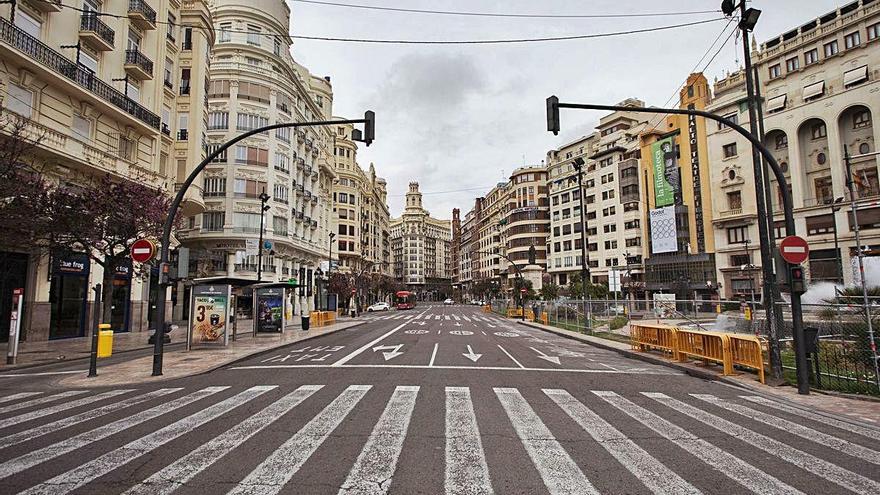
105 340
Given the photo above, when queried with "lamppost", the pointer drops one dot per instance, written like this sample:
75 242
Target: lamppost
518 276
835 207
369 122
578 164
264 198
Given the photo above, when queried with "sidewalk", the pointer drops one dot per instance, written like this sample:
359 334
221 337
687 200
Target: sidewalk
862 411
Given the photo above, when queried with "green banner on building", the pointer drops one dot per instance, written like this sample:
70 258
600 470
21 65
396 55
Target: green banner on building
664 194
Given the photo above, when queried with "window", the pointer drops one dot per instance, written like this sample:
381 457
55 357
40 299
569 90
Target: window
253 35
861 118
88 61
283 134
566 229
811 56
634 242
819 131
632 224
565 198
281 162
556 231
792 64
608 194
185 81
215 186
247 222
251 156
218 89
823 190
729 150
19 100
610 244
609 228
187 38
125 148
820 224
831 49
781 141
852 40
566 246
775 71
590 199
279 225
171 33
225 32
253 92
28 23
280 193
81 127
213 221
734 200
133 90
555 200
874 31
733 117
169 70
247 122
343 197
277 46
737 235
218 120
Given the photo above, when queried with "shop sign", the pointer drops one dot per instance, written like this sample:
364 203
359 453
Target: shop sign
209 315
72 264
269 310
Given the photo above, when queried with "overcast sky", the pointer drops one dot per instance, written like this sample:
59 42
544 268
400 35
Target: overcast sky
464 117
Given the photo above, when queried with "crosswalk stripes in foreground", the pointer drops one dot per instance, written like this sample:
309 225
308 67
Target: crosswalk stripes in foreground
466 468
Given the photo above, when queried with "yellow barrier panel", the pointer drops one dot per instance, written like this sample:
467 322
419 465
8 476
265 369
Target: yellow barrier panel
487 308
105 340
315 318
747 350
646 337
707 346
329 317
514 313
545 318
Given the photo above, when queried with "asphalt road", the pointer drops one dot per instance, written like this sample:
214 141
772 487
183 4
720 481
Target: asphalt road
433 400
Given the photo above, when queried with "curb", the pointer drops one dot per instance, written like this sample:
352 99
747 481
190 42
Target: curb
74 360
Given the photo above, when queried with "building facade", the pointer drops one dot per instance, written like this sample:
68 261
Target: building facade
255 82
421 249
525 222
819 84
121 93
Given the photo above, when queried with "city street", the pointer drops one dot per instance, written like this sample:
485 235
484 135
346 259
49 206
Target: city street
435 399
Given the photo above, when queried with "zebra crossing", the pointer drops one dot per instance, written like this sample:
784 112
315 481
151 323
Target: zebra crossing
445 317
658 439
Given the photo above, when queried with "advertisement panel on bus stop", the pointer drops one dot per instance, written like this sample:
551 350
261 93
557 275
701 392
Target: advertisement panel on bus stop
269 313
209 315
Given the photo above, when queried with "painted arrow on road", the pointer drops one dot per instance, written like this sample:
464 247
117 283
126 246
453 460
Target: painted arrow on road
420 323
394 351
457 324
470 355
552 359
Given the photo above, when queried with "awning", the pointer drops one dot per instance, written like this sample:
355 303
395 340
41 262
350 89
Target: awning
776 103
814 90
855 76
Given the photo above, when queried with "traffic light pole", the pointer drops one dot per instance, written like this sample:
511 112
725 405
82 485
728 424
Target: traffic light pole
803 380
369 122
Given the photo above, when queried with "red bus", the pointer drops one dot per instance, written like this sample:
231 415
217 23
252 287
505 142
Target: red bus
405 300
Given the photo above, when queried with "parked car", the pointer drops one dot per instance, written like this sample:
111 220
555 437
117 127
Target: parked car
379 306
448 302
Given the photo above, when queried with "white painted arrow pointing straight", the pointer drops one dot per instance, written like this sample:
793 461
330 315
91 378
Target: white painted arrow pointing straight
470 355
552 359
395 350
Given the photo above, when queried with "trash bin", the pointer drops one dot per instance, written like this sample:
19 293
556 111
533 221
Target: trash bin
811 340
305 322
105 341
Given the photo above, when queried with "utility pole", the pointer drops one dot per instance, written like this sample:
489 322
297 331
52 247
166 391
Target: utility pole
263 207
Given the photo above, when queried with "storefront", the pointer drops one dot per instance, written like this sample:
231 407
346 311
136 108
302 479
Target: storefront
120 301
13 275
68 295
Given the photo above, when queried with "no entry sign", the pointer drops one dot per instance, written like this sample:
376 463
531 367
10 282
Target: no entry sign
143 250
794 249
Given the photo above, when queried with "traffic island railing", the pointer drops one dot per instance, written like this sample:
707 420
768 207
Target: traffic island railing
705 346
748 351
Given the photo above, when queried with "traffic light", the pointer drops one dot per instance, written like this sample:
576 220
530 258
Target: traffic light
369 127
553 115
796 280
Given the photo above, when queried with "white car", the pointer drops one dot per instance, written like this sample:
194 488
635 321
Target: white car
448 302
379 306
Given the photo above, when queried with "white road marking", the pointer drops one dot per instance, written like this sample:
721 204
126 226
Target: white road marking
811 463
725 463
541 355
465 318
470 354
367 346
608 366
446 317
844 425
94 469
21 418
375 466
35 457
437 317
559 472
456 317
433 355
41 400
91 414
466 469
511 357
276 470
175 475
20 395
657 477
389 351
438 331
482 332
810 434
487 368
409 317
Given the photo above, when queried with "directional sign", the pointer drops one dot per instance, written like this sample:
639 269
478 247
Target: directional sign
794 249
541 355
143 250
470 355
393 350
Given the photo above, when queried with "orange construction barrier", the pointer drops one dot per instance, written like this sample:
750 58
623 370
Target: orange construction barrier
705 346
647 337
748 351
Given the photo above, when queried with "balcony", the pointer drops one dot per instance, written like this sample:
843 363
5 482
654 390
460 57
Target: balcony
314 224
184 87
314 200
183 135
39 56
733 212
141 14
138 66
193 199
94 33
46 6
165 129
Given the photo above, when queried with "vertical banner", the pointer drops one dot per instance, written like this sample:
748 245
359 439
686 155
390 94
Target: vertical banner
209 315
665 174
664 235
270 310
252 247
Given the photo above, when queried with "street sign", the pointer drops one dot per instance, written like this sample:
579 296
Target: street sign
353 291
143 250
794 249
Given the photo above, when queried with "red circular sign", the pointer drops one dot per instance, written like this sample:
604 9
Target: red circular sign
143 250
794 249
523 291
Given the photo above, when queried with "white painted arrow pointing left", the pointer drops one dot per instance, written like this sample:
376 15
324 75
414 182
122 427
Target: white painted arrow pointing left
394 350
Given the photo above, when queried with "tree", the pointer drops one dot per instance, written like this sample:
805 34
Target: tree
575 287
103 217
549 291
597 291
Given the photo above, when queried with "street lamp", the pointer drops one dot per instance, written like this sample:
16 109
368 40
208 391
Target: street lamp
835 207
578 164
264 198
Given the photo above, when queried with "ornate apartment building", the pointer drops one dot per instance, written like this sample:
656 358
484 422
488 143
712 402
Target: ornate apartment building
421 249
820 84
256 82
360 211
111 88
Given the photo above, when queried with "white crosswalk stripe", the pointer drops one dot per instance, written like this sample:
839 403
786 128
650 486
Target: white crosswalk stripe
20 395
559 472
657 477
456 317
184 469
82 474
48 411
41 430
270 476
844 446
811 463
465 318
40 456
844 425
466 469
41 400
378 460
734 468
446 317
